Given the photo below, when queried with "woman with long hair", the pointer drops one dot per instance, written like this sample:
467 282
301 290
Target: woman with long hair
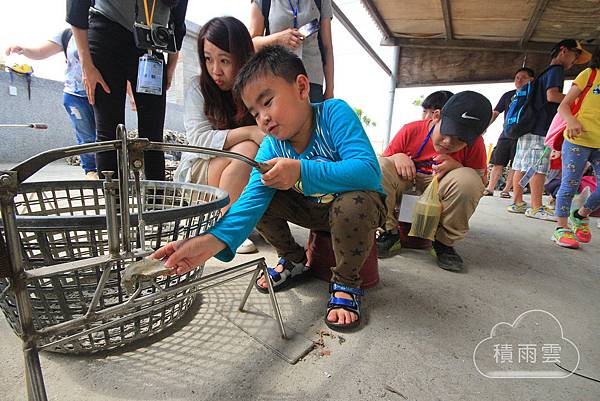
214 118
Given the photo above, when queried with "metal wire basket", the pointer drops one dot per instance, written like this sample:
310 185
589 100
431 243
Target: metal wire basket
65 221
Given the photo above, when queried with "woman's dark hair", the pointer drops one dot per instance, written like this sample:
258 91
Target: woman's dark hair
220 107
595 61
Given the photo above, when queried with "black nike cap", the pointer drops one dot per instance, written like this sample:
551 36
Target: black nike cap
466 115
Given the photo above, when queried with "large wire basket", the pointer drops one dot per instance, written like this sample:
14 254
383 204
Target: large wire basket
65 221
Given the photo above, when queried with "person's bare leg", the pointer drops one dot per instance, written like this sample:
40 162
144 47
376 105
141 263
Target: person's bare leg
232 175
509 181
537 189
517 190
494 177
562 222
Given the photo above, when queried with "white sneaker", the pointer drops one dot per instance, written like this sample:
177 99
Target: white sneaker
541 214
247 247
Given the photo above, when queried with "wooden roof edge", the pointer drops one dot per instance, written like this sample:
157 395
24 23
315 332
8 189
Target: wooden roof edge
469 44
377 18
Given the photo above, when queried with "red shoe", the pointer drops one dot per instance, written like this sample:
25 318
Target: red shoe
581 228
564 237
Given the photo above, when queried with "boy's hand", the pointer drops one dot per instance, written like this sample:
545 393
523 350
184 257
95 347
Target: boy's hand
283 175
445 164
405 167
185 255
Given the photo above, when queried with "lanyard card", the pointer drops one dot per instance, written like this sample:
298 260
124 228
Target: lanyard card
150 75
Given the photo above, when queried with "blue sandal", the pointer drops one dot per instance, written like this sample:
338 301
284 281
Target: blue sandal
351 305
292 271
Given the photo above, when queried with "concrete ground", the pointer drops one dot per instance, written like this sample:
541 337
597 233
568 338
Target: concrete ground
422 325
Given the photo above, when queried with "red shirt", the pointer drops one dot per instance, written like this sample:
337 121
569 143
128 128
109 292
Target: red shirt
410 137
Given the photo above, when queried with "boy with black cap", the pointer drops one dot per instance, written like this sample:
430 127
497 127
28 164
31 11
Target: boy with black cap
530 147
450 145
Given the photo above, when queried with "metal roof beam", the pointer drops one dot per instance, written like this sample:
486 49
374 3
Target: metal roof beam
534 19
359 38
447 19
469 44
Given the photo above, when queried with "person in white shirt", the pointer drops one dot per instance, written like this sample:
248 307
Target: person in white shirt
214 118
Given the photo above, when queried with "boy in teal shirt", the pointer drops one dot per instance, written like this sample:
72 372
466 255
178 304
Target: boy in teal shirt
324 176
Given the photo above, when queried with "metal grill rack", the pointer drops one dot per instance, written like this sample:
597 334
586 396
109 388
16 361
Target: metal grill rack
65 245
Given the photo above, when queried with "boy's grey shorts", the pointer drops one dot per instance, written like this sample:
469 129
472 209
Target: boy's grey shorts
529 150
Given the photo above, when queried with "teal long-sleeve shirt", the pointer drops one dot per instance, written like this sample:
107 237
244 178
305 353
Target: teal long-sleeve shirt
338 158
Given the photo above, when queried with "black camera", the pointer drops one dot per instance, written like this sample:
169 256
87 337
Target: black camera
154 37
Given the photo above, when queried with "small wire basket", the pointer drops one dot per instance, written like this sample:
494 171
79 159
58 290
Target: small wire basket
65 221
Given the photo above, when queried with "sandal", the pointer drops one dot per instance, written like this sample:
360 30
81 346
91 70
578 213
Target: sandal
487 192
505 194
351 305
292 271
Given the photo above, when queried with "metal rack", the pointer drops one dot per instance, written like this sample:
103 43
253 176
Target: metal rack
65 245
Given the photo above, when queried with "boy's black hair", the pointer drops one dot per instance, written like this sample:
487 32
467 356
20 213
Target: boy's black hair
528 70
275 60
436 100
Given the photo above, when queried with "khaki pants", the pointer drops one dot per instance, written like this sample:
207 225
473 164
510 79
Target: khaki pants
460 191
351 218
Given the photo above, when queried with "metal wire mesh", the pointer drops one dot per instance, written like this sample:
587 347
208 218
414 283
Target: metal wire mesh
65 221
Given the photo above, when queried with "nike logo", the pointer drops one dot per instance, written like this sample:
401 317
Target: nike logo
468 117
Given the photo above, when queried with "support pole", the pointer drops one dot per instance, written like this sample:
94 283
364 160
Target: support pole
392 94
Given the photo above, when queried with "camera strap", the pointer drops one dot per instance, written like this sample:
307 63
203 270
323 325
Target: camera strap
149 17
150 67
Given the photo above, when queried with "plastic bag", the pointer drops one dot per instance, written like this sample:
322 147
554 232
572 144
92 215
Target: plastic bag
428 209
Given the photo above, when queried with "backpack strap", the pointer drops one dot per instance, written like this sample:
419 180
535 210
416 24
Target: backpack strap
266 8
319 39
577 104
547 69
65 37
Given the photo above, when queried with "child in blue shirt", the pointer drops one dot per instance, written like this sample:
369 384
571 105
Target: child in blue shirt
324 176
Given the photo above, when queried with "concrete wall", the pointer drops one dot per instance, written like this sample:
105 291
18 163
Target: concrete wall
46 106
188 64
17 144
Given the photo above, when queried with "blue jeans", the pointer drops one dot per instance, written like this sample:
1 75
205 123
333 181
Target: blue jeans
81 114
574 158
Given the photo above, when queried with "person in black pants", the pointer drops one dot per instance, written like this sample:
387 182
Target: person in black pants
109 58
